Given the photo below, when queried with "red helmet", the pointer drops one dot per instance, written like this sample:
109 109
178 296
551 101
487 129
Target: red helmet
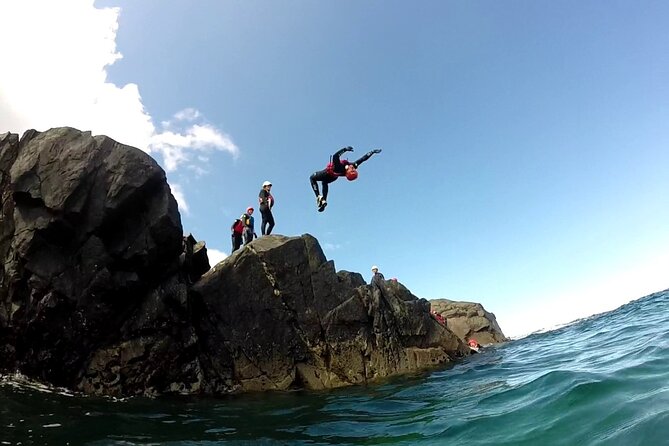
351 173
473 343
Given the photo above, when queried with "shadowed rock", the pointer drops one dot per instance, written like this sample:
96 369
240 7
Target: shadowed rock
101 292
91 238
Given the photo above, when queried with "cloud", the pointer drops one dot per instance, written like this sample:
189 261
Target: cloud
178 144
215 256
187 114
178 194
331 246
56 57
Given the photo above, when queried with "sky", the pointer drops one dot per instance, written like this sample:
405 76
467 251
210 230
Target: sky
525 159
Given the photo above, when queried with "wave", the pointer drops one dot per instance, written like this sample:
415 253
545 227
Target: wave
600 380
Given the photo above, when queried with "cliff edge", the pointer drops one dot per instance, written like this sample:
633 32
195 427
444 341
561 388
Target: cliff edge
100 291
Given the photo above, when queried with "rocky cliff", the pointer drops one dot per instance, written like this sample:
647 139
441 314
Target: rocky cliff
469 320
100 291
281 315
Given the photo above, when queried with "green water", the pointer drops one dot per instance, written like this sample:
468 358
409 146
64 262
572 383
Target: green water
599 381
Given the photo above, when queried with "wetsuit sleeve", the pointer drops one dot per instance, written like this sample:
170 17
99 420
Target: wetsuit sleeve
362 159
336 163
340 152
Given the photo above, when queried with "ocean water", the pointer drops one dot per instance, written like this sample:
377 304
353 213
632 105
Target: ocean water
603 380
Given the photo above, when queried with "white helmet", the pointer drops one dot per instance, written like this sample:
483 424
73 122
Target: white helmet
266 183
375 268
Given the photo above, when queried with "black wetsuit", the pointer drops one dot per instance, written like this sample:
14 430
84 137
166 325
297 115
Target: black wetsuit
378 280
266 203
249 230
236 237
338 169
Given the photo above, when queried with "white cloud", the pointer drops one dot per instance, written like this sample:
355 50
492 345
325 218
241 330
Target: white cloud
187 114
178 194
331 246
56 56
215 256
177 146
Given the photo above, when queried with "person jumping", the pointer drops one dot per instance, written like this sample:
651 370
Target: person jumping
335 169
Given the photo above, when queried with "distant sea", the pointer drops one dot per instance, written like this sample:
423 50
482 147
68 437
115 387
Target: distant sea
603 380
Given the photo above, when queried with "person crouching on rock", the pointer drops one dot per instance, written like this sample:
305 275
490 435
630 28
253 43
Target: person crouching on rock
335 169
377 279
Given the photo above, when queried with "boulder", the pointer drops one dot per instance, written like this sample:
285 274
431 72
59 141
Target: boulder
469 320
280 316
101 292
90 244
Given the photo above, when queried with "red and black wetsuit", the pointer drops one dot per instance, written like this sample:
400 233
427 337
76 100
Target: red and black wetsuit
334 170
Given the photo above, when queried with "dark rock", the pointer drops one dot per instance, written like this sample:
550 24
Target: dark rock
282 317
90 231
194 261
101 292
469 320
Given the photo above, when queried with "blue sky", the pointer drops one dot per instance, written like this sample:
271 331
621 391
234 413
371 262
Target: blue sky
525 158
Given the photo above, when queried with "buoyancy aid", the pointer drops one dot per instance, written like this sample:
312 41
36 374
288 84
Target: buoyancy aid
331 171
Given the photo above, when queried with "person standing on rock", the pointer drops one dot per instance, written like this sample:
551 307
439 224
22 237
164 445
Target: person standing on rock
266 201
248 222
237 230
335 169
377 279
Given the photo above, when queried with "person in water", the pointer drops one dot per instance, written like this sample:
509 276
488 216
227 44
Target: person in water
266 201
335 169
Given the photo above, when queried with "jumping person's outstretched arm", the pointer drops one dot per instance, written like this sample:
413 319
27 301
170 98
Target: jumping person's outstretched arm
338 167
365 157
340 152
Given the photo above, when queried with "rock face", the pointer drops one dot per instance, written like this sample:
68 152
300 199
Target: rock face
279 316
90 244
469 320
100 291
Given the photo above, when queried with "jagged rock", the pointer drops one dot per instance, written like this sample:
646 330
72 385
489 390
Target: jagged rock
469 320
194 260
281 317
100 291
90 236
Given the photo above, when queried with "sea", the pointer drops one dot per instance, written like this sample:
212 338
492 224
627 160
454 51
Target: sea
603 380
